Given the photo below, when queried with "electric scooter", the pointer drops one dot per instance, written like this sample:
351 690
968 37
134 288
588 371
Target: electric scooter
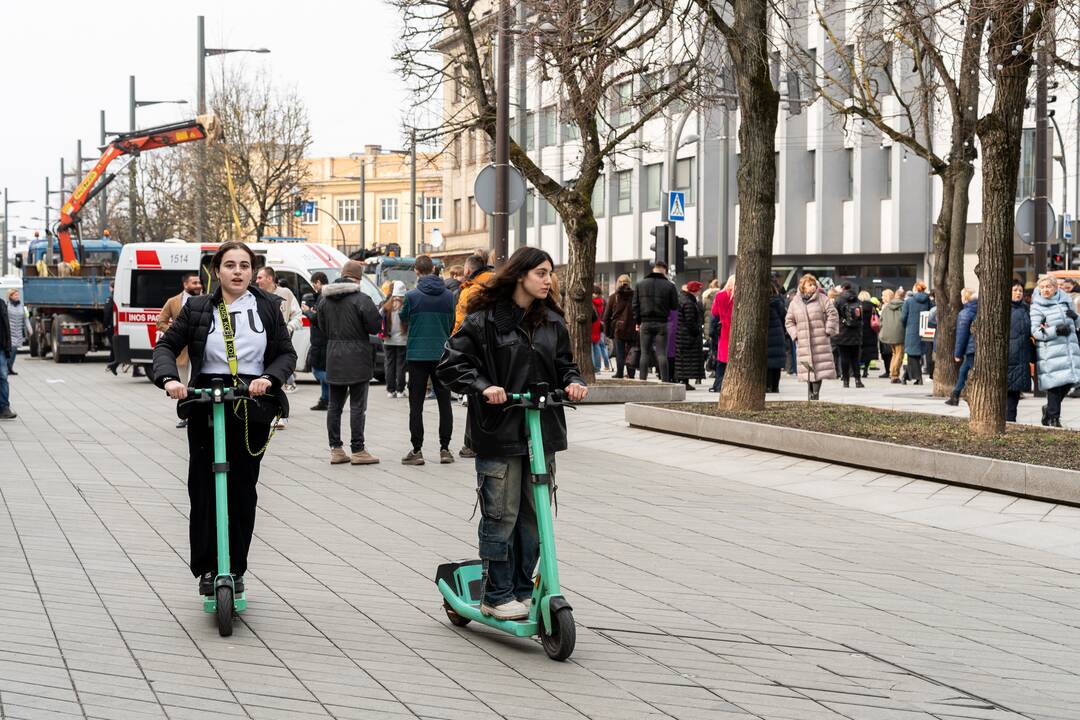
224 602
462 583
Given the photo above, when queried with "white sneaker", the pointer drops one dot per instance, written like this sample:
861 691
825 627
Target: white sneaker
282 423
401 394
390 394
509 610
527 602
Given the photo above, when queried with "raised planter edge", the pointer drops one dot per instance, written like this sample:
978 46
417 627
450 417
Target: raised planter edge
1034 481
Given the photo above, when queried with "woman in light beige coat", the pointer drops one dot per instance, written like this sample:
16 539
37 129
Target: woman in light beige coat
811 320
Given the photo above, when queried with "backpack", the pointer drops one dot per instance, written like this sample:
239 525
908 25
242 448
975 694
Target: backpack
851 314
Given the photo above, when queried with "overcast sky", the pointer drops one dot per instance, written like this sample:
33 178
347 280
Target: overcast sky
336 53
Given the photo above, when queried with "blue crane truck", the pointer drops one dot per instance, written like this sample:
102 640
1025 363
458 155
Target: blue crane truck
70 313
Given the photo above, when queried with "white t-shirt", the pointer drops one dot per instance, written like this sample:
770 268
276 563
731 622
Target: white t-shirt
249 337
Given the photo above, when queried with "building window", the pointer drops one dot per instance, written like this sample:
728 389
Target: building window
530 131
621 104
470 147
388 209
599 197
457 83
457 216
570 130
310 218
547 127
473 221
432 208
346 210
547 212
847 69
1025 185
813 175
530 208
652 186
624 202
888 170
850 152
684 178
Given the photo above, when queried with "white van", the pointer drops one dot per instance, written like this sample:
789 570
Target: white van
148 274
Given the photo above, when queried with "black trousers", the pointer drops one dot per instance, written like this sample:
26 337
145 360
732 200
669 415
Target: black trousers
243 476
772 380
1054 396
419 374
886 356
1011 404
622 347
914 367
357 394
849 361
394 367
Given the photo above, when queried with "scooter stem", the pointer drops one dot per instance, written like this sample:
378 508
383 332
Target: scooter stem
549 566
221 484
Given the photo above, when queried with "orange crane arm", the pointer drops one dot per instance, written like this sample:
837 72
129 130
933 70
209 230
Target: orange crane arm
204 127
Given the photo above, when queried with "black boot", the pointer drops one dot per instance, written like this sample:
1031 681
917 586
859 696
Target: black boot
320 405
953 400
859 383
1045 417
866 371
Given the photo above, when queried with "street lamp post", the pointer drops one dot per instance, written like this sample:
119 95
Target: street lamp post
133 104
103 200
202 52
7 201
501 221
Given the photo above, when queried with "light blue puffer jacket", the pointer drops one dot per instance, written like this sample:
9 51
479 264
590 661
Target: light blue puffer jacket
1058 355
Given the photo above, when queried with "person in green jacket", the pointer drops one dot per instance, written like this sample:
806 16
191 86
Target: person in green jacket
428 315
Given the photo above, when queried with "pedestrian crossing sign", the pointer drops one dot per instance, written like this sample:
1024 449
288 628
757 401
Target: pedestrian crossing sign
676 206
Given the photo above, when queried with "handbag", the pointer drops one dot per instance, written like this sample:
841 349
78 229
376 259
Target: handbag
875 322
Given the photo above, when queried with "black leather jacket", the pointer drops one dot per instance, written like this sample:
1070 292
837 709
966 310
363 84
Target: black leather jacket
654 299
494 347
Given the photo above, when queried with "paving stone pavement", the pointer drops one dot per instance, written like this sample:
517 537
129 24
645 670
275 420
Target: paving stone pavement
708 581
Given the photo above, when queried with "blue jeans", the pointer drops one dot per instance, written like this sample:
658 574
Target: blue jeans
3 380
509 539
965 368
721 368
600 357
320 375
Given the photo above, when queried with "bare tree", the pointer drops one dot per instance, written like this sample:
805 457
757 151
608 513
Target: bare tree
266 136
611 65
900 67
1016 30
744 26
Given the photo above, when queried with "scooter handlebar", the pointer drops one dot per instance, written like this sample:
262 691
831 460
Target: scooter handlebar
206 395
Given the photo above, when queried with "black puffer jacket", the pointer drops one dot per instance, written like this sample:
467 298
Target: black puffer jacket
848 302
348 316
317 349
495 347
689 340
1021 350
5 327
869 351
192 325
655 298
776 353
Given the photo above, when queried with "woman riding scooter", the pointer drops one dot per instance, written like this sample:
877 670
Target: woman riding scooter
251 349
514 335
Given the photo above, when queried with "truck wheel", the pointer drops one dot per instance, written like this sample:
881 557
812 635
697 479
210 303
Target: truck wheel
33 343
57 357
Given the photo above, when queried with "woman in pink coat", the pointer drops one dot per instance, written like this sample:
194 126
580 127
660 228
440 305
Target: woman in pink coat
721 312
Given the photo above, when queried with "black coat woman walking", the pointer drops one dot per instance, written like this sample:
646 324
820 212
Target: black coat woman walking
514 335
237 335
689 340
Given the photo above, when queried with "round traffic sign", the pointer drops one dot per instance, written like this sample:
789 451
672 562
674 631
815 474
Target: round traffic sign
484 189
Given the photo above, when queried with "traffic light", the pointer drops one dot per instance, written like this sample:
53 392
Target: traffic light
679 251
1055 260
298 206
660 246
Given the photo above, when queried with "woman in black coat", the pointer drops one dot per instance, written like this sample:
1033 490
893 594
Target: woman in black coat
689 340
1021 351
869 336
776 356
264 359
513 336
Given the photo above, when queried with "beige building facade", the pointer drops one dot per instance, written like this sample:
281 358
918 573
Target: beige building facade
351 214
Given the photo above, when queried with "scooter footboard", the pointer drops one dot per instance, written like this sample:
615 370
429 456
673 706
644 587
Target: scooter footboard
465 578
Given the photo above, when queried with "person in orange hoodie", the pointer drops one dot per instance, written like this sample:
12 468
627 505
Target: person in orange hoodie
476 271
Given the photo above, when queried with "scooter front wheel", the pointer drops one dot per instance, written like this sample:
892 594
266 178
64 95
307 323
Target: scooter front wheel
455 619
560 643
224 597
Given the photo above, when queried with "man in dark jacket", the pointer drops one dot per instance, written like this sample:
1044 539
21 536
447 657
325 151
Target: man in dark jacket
655 297
6 412
429 312
964 350
347 316
849 339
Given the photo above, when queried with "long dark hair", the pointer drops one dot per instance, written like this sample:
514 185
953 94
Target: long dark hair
501 286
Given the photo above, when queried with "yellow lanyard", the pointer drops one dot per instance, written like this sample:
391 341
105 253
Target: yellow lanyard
230 344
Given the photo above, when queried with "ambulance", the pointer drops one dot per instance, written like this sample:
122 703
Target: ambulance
150 273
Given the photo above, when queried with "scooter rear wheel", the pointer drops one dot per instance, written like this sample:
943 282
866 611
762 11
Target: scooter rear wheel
224 597
453 617
560 643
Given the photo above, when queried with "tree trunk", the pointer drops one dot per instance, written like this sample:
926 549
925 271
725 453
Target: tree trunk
1000 134
744 381
576 287
949 275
